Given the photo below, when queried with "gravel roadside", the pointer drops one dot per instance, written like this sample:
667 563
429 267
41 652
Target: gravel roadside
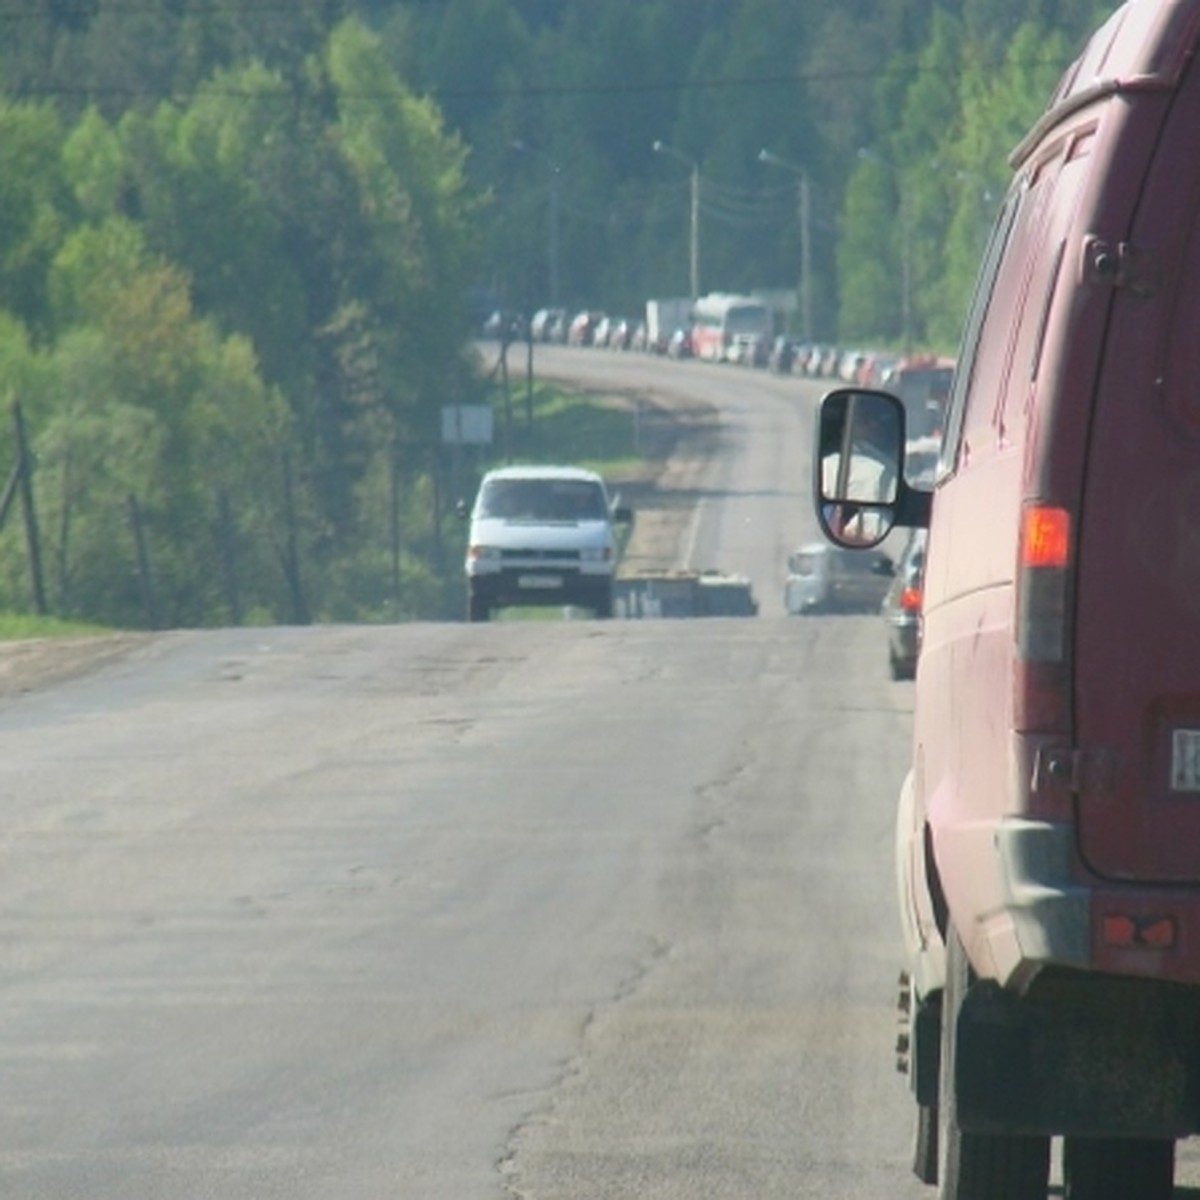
28 664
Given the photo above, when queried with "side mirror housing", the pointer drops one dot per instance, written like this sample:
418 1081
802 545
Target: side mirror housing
859 488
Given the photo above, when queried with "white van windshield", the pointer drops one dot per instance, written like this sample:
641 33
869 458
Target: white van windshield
804 563
543 500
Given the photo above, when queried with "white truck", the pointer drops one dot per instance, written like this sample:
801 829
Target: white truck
663 318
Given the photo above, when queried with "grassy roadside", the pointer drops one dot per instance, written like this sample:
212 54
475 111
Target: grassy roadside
557 426
548 425
18 626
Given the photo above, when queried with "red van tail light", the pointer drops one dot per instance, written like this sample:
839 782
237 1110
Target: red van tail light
1042 584
910 600
1043 581
1046 537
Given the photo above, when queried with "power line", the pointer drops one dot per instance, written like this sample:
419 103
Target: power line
533 90
67 12
441 94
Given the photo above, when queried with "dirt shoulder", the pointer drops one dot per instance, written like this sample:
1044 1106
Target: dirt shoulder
664 501
33 663
677 440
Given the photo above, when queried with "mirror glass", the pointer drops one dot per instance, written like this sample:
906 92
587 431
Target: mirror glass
856 524
862 447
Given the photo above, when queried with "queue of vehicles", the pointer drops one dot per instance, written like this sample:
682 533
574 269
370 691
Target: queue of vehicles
732 328
725 327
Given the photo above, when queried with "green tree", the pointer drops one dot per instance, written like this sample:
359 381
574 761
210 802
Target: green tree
209 183
998 105
152 403
410 273
35 208
870 246
929 177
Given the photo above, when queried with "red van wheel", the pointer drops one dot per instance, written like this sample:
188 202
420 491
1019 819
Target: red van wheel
1117 1168
979 1166
925 1144
478 609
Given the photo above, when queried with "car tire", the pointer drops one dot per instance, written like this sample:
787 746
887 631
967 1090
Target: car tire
971 1165
1117 1168
925 1144
478 608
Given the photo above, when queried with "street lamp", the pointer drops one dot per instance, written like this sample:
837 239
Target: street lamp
694 241
521 148
805 214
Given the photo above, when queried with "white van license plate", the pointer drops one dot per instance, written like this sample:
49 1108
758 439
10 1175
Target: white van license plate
1185 760
539 581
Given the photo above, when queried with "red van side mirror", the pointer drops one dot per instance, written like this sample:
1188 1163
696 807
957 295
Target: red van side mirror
858 469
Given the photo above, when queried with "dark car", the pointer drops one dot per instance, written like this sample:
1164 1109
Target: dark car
504 325
680 344
902 608
748 350
620 333
783 355
547 325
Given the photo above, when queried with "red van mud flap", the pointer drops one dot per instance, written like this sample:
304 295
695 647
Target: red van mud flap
1080 1054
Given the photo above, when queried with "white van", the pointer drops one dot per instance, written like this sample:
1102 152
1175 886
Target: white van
542 535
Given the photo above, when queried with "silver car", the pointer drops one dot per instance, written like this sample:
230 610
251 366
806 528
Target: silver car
902 608
825 578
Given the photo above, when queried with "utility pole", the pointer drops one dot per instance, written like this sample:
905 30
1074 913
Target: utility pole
694 212
806 298
804 212
694 239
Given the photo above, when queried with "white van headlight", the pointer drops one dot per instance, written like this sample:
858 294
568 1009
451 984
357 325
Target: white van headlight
595 554
483 553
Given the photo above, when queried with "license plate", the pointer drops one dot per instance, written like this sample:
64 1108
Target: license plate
1185 760
539 581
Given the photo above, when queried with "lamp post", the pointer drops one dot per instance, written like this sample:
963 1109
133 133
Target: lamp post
805 214
552 252
694 240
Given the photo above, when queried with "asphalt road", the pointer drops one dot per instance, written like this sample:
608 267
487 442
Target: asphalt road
557 910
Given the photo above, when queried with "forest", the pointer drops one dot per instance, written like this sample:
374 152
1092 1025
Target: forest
243 244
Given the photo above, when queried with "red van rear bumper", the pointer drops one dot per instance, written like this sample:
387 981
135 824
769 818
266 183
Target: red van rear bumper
1055 915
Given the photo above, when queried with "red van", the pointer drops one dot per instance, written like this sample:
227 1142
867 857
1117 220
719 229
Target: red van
1048 840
